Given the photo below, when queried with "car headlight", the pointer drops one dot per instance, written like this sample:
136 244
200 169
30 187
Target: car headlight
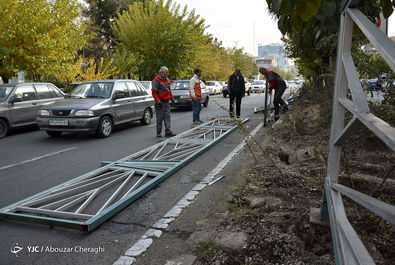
84 113
43 112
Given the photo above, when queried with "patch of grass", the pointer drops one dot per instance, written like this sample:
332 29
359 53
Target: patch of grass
206 251
234 208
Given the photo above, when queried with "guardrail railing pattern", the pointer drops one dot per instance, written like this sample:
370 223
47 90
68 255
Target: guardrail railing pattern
349 249
89 200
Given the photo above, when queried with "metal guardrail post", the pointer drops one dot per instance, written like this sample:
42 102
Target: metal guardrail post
348 247
266 98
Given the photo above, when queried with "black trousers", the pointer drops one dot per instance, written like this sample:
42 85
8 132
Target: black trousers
279 91
238 104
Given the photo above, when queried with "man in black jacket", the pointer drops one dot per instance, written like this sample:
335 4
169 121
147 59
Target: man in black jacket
236 89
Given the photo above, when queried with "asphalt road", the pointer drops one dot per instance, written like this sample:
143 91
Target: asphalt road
31 162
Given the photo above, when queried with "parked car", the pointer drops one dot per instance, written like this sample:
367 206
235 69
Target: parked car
258 86
247 86
147 85
214 87
19 103
98 106
180 91
374 84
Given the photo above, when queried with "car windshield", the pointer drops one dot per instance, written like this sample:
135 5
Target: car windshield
145 84
180 85
92 90
209 83
258 83
5 91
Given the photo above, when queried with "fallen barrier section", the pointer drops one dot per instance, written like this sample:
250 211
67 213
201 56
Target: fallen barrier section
87 201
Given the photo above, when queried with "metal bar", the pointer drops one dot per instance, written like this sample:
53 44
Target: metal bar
139 181
157 154
87 179
351 127
57 195
97 220
382 209
73 202
91 197
173 155
55 213
60 202
88 186
355 85
117 192
150 152
380 128
354 252
380 41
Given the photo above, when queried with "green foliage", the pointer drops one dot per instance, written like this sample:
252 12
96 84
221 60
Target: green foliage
100 16
234 208
40 37
244 61
160 34
206 251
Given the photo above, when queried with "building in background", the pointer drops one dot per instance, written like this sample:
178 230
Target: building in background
275 51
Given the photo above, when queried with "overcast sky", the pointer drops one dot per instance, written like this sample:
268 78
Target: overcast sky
232 22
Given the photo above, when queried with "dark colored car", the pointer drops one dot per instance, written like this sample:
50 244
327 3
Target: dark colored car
374 84
98 106
20 103
180 91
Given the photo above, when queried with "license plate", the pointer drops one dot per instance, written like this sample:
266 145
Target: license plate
58 122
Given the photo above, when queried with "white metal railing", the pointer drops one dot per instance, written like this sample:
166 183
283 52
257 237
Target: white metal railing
349 249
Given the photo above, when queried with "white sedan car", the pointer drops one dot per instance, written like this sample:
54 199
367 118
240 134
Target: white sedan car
258 86
214 87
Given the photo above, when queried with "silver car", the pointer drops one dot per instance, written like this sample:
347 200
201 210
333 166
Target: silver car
98 106
20 103
180 91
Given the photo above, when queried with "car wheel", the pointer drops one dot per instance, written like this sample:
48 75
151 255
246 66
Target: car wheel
224 95
54 133
3 128
146 117
105 127
205 103
248 92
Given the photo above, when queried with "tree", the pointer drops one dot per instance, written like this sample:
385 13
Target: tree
39 36
244 61
100 16
159 34
310 30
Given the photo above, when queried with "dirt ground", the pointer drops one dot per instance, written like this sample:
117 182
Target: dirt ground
266 213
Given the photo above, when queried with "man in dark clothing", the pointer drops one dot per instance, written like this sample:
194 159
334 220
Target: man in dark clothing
162 95
236 89
278 84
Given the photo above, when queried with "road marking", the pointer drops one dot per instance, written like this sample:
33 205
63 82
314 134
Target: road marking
37 158
146 240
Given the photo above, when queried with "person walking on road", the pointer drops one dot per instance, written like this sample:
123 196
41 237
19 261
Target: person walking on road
278 84
162 94
236 89
195 93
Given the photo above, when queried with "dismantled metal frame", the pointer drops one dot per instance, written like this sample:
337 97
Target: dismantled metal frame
89 200
349 249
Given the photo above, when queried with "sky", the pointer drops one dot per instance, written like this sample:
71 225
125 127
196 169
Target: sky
232 22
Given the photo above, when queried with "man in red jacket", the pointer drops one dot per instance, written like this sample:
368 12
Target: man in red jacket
278 84
162 95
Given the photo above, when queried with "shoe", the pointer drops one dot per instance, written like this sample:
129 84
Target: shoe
200 121
159 135
170 134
